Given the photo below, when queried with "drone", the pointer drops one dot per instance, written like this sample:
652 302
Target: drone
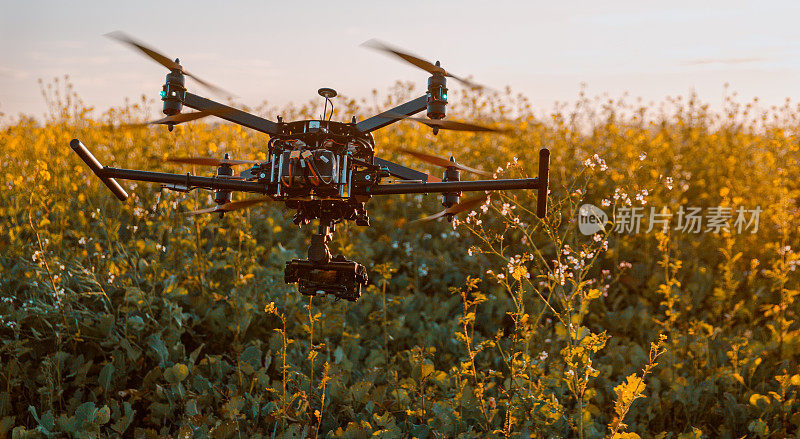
323 169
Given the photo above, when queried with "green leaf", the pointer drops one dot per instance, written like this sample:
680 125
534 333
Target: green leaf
105 325
159 410
176 373
125 420
195 353
468 397
48 421
32 411
135 323
162 355
251 359
360 390
233 407
269 408
427 370
103 415
191 408
759 427
106 374
420 431
132 352
267 360
85 414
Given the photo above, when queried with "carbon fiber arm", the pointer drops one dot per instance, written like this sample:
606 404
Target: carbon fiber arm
231 114
391 116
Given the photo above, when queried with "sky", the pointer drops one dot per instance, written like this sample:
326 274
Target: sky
282 52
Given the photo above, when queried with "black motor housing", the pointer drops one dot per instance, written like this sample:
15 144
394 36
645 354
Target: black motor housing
172 92
222 196
450 199
437 96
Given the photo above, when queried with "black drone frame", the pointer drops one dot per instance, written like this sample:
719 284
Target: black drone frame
108 175
321 273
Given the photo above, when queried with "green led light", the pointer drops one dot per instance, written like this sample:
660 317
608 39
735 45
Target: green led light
163 94
444 96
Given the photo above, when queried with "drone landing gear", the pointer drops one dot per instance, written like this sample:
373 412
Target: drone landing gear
322 274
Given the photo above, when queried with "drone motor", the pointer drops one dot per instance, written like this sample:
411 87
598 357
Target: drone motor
222 196
172 91
450 199
437 95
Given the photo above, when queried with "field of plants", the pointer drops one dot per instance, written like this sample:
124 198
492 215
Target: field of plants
136 320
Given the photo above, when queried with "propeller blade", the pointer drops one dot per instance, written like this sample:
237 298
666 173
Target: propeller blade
456 126
429 218
466 205
234 205
412 59
215 89
440 161
416 61
162 59
209 161
181 117
466 82
153 54
174 119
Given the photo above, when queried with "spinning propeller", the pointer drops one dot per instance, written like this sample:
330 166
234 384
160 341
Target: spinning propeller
173 66
466 205
210 161
455 126
418 62
224 165
179 118
443 162
172 120
231 206
450 124
163 60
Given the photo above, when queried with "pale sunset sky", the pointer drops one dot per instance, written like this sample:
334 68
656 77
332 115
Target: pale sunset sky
284 51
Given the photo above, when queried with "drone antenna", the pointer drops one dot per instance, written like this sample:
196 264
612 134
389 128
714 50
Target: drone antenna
327 93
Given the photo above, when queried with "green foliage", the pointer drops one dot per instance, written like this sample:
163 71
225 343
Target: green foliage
135 320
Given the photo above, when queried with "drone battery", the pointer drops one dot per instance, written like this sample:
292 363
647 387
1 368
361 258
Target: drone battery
298 173
325 162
